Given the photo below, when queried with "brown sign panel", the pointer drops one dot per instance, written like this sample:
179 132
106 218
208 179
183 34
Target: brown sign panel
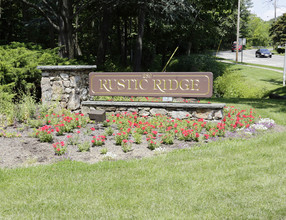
172 84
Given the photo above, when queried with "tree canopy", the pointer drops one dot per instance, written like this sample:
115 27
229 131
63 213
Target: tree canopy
278 30
134 34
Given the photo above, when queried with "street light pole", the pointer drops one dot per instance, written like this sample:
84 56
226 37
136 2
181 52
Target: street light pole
237 30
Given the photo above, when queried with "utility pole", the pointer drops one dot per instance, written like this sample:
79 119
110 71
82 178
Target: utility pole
284 72
275 10
237 30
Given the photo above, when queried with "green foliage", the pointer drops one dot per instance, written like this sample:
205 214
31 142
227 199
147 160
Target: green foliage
84 147
233 85
280 50
278 30
18 65
197 63
6 104
258 32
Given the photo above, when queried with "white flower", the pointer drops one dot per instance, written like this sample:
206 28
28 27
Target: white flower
259 127
110 155
160 149
266 121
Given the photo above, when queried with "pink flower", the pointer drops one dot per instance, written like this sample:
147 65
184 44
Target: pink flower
78 132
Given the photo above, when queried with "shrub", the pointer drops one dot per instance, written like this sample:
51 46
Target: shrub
197 63
18 62
280 50
233 85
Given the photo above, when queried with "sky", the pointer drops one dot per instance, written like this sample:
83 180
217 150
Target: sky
265 8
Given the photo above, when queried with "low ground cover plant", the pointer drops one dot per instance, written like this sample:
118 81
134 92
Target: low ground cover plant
128 129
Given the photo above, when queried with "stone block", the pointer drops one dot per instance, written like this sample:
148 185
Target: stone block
218 114
46 90
97 115
180 114
74 101
58 90
64 76
158 111
204 113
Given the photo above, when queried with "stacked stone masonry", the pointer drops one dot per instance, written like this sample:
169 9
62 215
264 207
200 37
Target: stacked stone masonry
68 85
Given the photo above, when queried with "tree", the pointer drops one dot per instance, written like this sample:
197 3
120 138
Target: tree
61 14
258 32
278 30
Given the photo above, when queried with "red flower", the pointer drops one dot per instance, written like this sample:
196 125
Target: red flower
93 129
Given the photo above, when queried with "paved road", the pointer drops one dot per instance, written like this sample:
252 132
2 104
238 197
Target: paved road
249 57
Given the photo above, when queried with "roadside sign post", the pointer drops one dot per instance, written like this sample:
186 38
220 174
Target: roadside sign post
284 72
242 42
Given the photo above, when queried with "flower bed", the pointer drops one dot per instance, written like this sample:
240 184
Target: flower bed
64 135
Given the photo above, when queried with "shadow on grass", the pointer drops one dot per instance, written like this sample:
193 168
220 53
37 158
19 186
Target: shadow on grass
273 81
276 105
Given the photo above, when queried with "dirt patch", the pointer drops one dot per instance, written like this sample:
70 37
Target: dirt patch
29 151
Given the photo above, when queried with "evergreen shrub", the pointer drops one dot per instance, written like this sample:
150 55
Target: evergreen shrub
18 62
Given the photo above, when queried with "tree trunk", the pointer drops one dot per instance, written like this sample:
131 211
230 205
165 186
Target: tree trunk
104 32
139 41
66 41
77 47
189 48
124 45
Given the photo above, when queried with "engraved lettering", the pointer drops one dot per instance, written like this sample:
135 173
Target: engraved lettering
171 84
186 85
197 85
103 85
120 84
157 83
140 83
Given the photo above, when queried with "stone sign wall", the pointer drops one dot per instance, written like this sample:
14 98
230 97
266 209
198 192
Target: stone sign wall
67 85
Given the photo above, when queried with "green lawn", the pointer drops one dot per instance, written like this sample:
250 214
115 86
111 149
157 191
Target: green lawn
226 179
266 79
233 179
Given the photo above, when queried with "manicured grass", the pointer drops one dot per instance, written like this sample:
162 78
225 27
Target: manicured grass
261 78
266 66
233 179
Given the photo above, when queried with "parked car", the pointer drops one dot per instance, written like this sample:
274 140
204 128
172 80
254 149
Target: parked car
263 53
233 47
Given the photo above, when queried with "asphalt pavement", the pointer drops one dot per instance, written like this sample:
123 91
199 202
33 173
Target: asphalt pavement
248 56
